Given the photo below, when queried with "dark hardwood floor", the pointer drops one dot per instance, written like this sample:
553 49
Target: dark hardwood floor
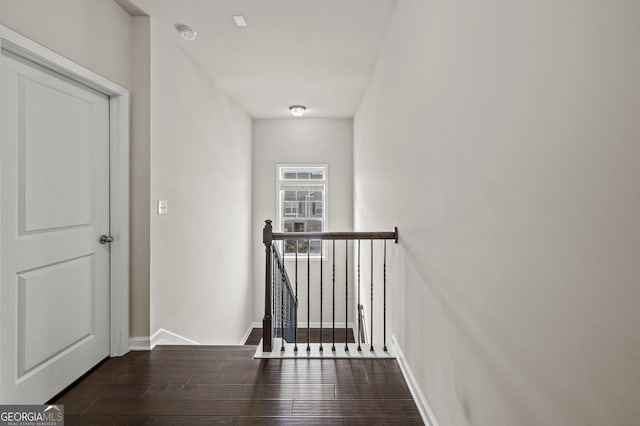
225 385
314 335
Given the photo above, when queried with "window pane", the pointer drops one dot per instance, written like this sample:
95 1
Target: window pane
316 247
290 246
316 209
314 226
302 173
302 195
290 208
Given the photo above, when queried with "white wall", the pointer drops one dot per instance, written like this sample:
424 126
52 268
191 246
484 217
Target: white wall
102 37
140 176
502 139
201 163
320 141
96 34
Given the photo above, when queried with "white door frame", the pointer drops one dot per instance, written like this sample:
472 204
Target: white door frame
118 170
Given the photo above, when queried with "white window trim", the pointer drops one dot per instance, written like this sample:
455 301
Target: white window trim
325 218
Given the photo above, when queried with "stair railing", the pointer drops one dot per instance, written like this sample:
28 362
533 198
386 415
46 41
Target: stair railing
285 300
281 301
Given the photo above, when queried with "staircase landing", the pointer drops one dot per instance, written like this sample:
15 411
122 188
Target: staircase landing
314 335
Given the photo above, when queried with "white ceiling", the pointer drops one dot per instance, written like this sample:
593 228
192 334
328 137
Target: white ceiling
315 53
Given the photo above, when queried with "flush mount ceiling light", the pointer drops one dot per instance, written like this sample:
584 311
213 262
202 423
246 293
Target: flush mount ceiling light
186 32
239 20
297 110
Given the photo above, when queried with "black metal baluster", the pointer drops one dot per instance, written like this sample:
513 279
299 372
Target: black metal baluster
321 247
384 311
359 312
274 288
295 333
308 294
346 295
371 343
333 309
282 284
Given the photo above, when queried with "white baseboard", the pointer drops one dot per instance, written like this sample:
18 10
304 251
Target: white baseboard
140 343
166 337
249 330
421 402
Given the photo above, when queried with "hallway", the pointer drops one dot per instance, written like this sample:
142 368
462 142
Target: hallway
501 138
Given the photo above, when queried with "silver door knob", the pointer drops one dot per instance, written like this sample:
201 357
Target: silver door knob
104 239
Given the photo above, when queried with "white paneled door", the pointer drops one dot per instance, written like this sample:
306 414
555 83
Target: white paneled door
54 195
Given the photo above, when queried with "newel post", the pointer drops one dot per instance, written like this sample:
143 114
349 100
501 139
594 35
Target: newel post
267 325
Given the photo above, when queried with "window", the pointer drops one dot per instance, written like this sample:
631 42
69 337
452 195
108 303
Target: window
302 198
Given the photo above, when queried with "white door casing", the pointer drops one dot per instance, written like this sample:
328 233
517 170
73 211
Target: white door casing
53 325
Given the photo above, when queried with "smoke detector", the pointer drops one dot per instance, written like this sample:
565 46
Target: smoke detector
186 32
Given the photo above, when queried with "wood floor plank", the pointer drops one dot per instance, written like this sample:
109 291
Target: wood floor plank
306 366
148 378
385 377
322 421
372 391
104 420
76 406
96 391
205 348
261 408
254 337
225 385
238 392
146 366
278 377
392 408
200 354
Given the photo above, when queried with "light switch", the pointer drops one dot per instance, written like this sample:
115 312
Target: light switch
162 207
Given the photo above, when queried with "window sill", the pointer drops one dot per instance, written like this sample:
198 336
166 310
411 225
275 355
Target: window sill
303 258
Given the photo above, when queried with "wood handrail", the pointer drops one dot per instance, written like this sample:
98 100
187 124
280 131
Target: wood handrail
392 235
